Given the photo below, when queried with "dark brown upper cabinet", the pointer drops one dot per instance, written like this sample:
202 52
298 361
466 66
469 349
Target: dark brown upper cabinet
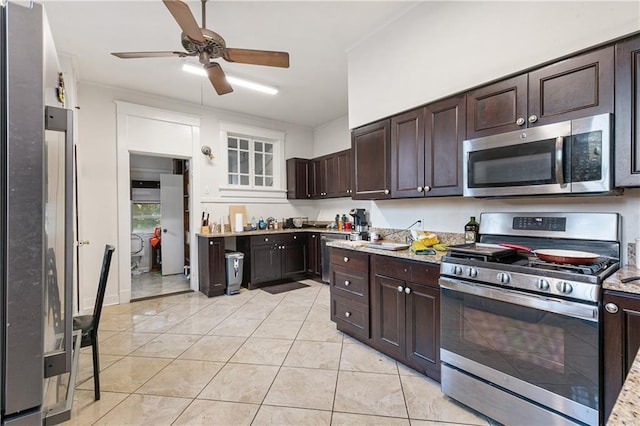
298 182
426 150
343 173
370 147
328 176
627 117
576 87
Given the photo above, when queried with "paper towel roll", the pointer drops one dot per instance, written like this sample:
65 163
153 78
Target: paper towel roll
239 222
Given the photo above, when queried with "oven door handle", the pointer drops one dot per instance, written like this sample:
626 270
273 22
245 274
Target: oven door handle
558 306
560 160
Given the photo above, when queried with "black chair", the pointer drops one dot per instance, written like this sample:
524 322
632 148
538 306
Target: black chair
88 324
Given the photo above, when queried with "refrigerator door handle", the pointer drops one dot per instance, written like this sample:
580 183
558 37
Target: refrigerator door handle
59 362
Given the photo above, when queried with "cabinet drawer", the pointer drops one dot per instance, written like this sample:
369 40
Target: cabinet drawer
257 240
418 272
350 259
350 316
350 283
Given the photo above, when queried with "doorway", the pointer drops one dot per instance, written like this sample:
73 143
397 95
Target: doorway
159 225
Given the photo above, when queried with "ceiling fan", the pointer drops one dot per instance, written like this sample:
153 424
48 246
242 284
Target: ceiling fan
207 45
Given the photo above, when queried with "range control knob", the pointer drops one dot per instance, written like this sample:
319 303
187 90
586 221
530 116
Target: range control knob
542 284
457 270
564 287
472 272
504 278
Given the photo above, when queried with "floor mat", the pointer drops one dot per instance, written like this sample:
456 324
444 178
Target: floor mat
281 288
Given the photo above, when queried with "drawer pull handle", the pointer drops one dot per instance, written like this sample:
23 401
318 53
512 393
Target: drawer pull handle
400 289
347 314
266 239
346 259
407 290
612 308
295 237
405 269
346 283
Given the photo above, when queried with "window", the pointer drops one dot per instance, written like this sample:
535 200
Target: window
242 171
145 216
254 162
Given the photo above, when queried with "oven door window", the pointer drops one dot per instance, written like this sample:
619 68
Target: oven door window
552 351
526 164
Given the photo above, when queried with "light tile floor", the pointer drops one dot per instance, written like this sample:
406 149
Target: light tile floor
252 358
151 284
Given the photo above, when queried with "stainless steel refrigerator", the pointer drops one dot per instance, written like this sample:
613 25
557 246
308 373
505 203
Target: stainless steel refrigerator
35 225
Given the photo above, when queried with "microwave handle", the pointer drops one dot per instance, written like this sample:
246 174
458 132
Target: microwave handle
559 160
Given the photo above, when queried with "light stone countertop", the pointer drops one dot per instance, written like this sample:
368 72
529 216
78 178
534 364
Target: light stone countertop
271 232
613 282
626 411
400 254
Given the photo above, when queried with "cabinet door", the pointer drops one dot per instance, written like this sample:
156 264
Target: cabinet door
294 257
423 329
388 315
313 254
298 179
408 154
445 132
343 173
328 173
265 263
315 179
577 87
370 151
496 108
627 116
211 266
621 341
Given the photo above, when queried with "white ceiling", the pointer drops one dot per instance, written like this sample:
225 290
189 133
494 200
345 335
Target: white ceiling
317 36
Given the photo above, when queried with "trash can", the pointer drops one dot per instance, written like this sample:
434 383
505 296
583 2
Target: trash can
233 264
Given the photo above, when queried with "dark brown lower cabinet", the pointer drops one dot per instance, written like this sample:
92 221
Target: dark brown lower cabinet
621 341
211 266
273 258
349 285
405 312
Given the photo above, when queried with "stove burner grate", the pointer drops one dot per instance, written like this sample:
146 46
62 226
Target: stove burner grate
598 266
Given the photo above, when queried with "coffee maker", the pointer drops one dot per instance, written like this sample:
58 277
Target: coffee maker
361 231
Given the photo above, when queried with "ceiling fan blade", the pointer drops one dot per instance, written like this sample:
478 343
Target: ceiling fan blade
182 14
257 57
218 79
162 54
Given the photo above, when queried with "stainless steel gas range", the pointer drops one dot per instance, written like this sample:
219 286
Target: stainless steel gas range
520 338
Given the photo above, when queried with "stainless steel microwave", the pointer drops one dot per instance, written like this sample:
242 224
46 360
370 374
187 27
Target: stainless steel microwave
570 157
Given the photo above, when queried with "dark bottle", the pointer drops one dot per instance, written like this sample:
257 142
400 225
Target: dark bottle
471 231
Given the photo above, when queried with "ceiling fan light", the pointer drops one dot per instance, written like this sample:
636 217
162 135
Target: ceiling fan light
198 70
252 85
194 69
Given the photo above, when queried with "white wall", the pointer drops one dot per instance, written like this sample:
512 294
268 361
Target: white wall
332 137
440 48
97 173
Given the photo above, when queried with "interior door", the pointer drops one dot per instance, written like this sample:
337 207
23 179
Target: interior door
171 194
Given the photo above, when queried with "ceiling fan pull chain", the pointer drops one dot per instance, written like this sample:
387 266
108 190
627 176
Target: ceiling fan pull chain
204 14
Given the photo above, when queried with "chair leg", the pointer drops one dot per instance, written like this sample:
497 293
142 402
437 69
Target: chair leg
96 368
